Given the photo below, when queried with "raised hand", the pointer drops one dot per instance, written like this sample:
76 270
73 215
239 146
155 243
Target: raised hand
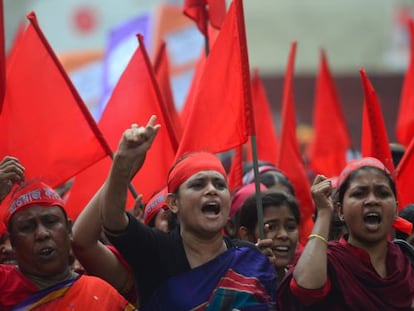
11 172
322 193
135 143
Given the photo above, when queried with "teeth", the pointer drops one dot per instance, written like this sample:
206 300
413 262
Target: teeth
45 251
282 248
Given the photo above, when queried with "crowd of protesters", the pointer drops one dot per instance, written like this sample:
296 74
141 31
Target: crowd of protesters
180 254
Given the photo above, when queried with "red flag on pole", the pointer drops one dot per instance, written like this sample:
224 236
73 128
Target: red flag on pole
162 73
289 159
236 169
405 120
2 57
327 151
221 116
267 142
374 141
44 122
201 11
189 101
404 177
134 99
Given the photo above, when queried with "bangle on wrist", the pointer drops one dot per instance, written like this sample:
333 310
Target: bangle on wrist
317 236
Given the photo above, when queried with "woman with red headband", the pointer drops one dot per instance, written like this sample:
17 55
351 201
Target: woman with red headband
43 278
364 270
192 267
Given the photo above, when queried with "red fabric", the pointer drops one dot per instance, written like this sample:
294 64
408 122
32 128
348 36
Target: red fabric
405 119
374 141
404 177
241 195
355 164
2 57
289 159
191 164
44 122
266 138
403 225
310 296
236 169
357 284
33 193
162 74
197 11
14 287
135 98
221 116
3 228
201 11
86 184
327 151
190 99
155 204
216 12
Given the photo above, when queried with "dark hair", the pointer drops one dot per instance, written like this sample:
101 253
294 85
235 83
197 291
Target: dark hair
345 185
272 178
248 211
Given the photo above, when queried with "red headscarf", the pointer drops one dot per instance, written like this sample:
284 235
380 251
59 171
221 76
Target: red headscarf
357 164
191 164
241 195
30 194
155 204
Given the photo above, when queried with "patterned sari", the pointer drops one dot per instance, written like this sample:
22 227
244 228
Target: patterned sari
80 293
242 278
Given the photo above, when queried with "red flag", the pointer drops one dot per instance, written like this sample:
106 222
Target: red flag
290 160
374 141
404 177
266 139
189 101
236 169
135 98
197 11
2 57
405 120
221 116
327 151
44 122
161 69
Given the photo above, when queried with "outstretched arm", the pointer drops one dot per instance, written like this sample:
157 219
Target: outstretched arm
311 269
93 255
129 157
11 172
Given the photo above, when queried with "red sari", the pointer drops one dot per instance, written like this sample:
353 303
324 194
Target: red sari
354 283
81 293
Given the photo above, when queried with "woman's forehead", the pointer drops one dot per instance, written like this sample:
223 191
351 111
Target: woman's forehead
206 174
37 211
369 174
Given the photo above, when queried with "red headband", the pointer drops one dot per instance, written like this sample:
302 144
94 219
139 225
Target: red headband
358 163
241 195
36 193
192 164
155 204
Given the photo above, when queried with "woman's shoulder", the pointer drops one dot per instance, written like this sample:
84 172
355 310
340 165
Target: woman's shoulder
239 243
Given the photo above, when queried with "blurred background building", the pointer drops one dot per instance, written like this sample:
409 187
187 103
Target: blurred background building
368 33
